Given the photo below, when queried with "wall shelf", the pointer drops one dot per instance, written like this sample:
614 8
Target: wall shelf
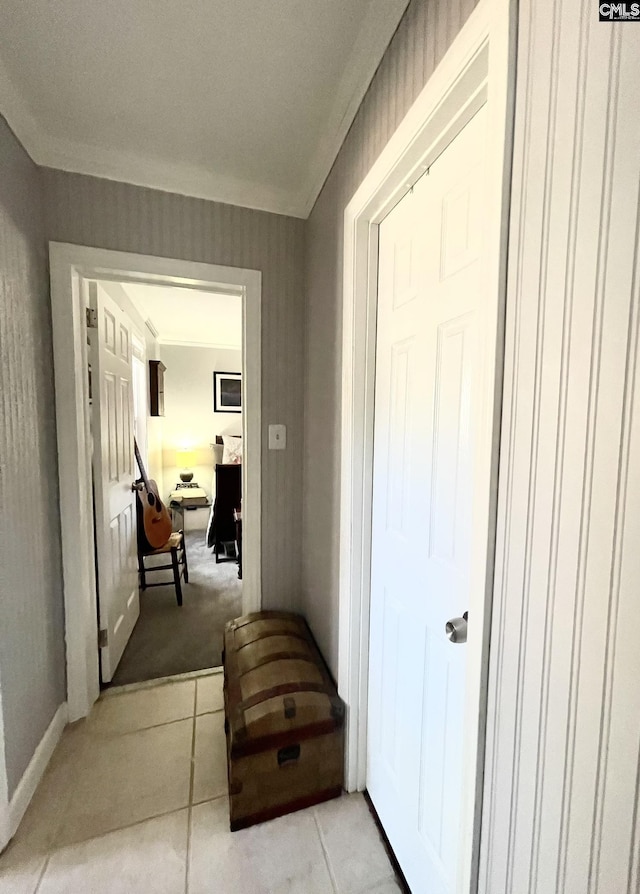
156 387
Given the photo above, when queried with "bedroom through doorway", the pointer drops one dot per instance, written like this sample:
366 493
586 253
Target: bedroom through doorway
186 412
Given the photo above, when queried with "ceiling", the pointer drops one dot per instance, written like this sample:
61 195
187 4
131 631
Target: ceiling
189 317
242 101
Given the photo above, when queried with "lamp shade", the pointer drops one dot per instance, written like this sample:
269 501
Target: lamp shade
185 458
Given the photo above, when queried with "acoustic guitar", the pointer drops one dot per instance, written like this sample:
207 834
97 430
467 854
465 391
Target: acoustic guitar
154 521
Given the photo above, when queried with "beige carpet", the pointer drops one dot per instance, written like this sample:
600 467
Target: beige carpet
169 639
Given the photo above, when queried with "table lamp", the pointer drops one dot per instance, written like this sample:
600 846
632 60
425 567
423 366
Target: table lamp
185 458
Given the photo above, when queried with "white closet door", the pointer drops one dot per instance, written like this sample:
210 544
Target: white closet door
428 414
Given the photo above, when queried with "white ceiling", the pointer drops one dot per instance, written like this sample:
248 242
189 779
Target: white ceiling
189 317
243 101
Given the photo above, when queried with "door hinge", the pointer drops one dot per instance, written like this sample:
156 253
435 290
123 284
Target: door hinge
103 638
92 318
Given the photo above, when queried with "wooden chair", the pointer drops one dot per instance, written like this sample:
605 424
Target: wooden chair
176 546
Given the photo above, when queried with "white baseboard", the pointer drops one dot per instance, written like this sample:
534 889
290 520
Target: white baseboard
35 771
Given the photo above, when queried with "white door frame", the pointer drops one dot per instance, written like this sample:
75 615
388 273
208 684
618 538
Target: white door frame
70 265
476 66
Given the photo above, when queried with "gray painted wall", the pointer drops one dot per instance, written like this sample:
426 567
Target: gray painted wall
189 417
424 34
37 205
91 211
32 666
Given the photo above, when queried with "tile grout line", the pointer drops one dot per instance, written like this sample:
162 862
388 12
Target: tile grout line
325 853
215 711
128 732
146 819
45 866
103 734
51 844
208 799
187 861
159 681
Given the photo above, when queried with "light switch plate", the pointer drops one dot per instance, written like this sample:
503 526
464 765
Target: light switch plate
277 437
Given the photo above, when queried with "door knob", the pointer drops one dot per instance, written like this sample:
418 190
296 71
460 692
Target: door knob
456 629
137 486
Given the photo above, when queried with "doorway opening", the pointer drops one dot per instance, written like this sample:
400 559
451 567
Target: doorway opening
187 416
173 354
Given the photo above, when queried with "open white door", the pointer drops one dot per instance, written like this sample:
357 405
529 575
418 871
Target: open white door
113 475
427 482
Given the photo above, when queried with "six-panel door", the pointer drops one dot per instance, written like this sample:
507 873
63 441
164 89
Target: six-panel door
113 472
428 406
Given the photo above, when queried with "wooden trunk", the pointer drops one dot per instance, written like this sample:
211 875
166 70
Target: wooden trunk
284 719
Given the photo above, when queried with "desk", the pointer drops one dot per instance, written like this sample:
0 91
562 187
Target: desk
189 497
187 505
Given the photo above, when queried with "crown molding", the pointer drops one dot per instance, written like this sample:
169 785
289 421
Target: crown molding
367 53
195 181
187 180
49 151
152 329
197 344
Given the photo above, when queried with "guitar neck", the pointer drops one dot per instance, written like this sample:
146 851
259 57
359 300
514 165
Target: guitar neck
140 464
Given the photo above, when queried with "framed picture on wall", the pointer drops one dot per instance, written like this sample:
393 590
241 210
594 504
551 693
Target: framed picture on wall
227 392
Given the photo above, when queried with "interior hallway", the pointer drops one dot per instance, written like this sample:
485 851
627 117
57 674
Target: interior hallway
134 800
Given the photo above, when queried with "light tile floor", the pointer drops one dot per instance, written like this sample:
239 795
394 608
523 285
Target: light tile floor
134 800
